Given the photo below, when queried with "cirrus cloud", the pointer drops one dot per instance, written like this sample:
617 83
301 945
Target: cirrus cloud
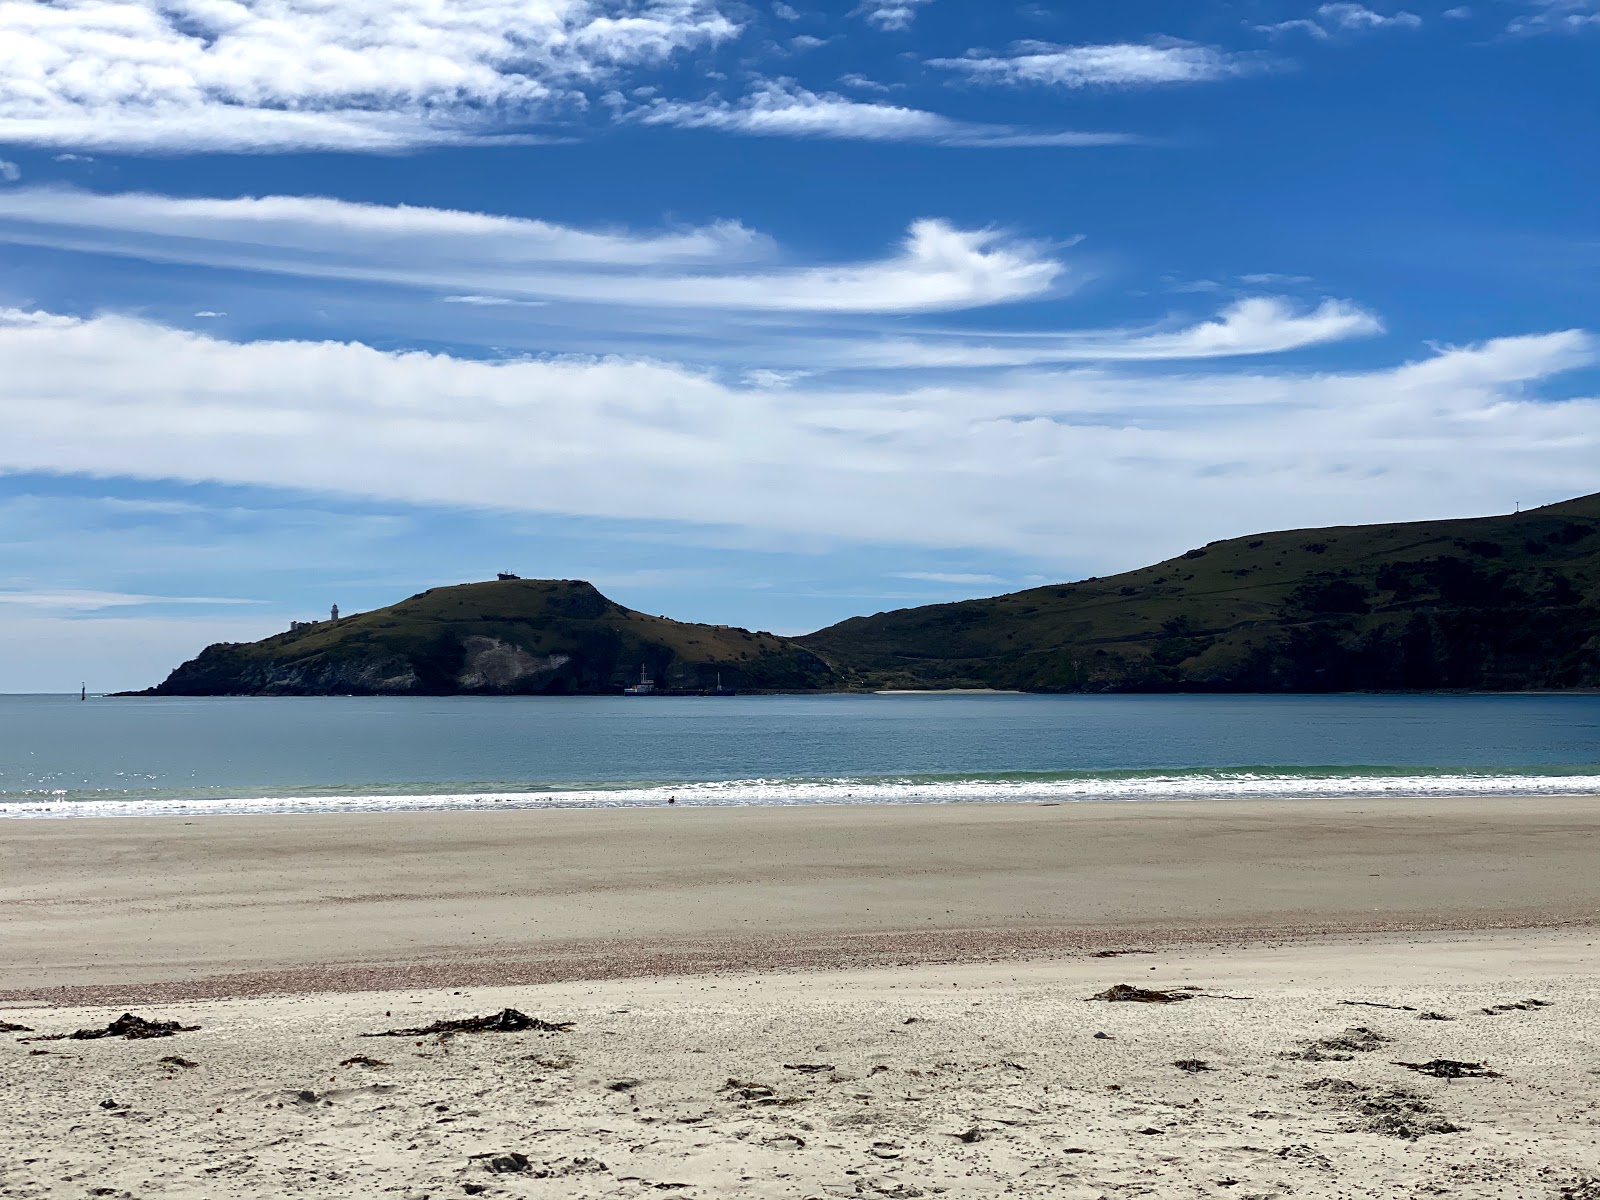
782 108
483 256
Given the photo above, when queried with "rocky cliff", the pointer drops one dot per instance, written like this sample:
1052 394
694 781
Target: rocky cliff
510 637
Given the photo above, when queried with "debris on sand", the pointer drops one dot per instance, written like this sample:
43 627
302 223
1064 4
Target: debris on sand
1119 953
1582 1189
786 1141
176 1062
1375 1004
1434 1016
1449 1068
758 1092
809 1068
8 1027
1394 1113
1522 1006
970 1135
507 1020
623 1085
514 1162
1358 1039
127 1027
511 1163
361 1060
1126 993
1193 1065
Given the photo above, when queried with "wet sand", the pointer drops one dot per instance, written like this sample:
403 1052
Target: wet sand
223 906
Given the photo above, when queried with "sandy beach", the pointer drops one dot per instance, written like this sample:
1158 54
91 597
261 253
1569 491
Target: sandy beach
884 1001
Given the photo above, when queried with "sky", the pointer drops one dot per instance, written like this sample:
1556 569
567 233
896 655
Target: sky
765 313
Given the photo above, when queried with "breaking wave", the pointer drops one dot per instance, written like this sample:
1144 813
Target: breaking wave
1264 783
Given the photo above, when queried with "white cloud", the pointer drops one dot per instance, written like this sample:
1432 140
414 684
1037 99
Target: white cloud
493 301
83 600
1255 326
1460 13
767 379
1119 464
862 83
780 108
265 75
890 15
1359 16
1558 16
208 314
1118 64
9 171
1347 18
937 267
282 228
784 12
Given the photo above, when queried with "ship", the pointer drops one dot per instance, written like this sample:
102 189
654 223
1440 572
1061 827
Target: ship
645 687
719 690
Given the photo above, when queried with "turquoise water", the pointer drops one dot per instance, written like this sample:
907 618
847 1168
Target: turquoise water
60 757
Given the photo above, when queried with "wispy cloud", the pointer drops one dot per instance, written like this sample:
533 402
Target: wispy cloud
1344 18
1255 326
9 171
296 74
1021 463
781 108
83 600
1558 16
890 15
288 226
481 256
1123 64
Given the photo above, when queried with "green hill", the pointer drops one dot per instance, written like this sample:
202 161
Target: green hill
1504 602
519 636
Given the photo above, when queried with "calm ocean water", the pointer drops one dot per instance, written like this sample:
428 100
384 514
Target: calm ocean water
60 757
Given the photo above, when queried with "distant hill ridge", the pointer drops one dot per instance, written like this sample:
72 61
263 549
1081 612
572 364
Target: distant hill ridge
1504 602
1496 603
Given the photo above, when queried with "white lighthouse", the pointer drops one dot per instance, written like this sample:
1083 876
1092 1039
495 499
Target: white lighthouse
333 615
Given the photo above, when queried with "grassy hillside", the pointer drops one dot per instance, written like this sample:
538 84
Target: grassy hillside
1498 602
522 636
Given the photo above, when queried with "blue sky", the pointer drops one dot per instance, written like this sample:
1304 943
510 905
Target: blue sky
763 313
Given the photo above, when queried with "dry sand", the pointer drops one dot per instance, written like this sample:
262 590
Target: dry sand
953 1080
980 1075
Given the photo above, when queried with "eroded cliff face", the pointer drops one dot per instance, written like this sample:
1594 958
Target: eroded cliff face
221 671
493 665
519 637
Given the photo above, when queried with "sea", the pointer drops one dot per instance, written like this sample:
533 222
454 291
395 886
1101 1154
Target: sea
108 756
